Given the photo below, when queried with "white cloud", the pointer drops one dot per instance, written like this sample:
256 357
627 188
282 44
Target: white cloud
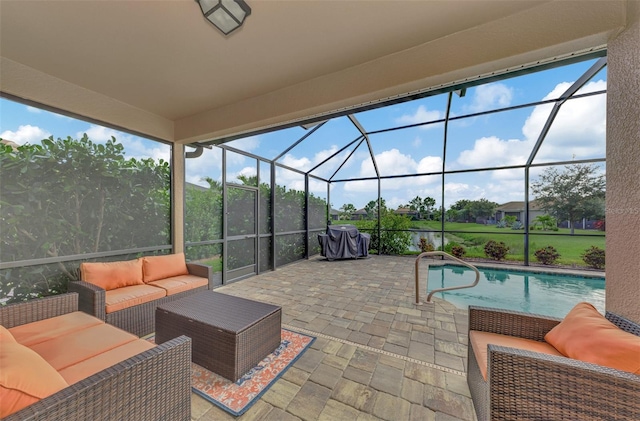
101 134
134 147
489 96
422 115
417 142
493 151
247 144
209 164
457 191
297 163
579 129
393 162
25 134
325 170
33 110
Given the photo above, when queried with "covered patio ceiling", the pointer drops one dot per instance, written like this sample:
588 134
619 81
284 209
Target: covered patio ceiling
159 69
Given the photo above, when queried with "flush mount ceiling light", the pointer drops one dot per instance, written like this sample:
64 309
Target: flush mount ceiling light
226 15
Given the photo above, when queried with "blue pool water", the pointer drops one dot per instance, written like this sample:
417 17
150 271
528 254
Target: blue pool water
531 292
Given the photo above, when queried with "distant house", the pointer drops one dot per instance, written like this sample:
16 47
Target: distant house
517 209
334 214
359 215
405 211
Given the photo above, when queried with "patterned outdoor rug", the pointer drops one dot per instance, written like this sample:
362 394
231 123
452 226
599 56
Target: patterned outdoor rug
236 398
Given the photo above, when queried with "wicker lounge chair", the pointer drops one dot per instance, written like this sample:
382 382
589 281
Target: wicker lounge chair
152 385
525 385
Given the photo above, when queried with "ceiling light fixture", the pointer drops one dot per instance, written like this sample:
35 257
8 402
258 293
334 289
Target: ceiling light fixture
226 15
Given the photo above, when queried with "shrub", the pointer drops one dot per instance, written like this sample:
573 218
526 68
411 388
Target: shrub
509 220
547 255
458 251
594 257
496 250
501 224
517 226
425 245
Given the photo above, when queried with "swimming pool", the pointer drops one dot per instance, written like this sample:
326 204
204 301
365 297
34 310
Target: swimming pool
531 292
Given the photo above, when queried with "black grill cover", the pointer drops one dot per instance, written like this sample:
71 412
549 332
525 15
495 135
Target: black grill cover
344 242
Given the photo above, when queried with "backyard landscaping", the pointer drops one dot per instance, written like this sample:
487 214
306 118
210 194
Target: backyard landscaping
570 248
473 237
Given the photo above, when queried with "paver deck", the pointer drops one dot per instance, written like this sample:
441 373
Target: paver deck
377 355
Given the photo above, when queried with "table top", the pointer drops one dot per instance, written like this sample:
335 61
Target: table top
224 311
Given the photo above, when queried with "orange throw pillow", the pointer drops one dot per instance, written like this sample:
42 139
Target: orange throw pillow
25 378
162 267
587 335
112 275
5 335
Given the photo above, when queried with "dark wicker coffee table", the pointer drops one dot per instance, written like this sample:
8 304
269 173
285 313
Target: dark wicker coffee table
230 335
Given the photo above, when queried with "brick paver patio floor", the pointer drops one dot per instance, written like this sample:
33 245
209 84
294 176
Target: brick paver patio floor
377 355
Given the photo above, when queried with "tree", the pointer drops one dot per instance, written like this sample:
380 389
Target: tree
71 197
372 208
461 208
452 214
482 208
546 222
346 211
571 194
423 206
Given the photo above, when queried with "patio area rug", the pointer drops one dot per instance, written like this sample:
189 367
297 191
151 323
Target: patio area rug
238 397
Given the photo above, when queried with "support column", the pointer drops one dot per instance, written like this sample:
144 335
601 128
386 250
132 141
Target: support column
623 170
177 197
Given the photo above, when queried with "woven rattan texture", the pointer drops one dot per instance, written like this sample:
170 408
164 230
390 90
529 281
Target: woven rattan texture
231 313
153 385
38 309
524 385
222 344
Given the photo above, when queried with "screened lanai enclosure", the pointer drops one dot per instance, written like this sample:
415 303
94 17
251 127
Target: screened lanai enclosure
517 158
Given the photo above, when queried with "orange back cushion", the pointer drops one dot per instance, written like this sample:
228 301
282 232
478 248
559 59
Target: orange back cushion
161 267
587 335
25 378
112 275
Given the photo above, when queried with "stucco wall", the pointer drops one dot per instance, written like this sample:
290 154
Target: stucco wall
623 170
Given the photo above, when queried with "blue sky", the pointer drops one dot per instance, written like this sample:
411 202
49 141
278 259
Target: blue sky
499 139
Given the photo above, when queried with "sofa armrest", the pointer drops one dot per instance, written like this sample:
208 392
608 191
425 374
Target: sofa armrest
529 385
91 298
153 385
17 314
512 323
198 269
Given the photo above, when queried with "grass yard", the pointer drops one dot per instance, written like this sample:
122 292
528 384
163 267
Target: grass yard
570 247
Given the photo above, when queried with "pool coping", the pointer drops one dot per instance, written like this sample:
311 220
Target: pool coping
534 269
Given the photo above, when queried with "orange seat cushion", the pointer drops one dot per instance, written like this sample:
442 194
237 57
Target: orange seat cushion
160 267
25 378
118 299
43 330
5 335
585 334
72 348
112 275
480 340
93 365
177 284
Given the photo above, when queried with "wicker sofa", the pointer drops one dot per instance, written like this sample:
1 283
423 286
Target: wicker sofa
126 293
108 380
542 384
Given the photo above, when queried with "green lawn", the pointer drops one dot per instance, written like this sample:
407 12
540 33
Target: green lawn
570 247
215 262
